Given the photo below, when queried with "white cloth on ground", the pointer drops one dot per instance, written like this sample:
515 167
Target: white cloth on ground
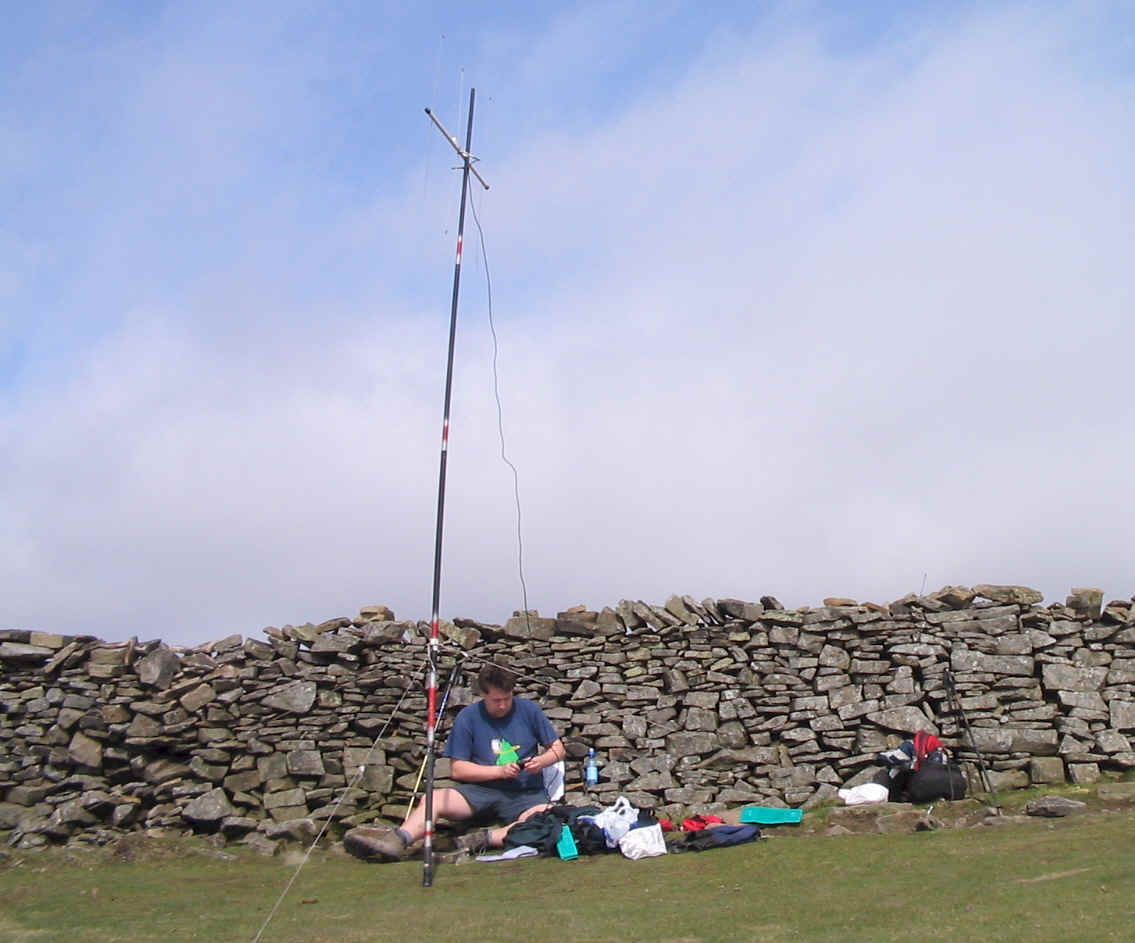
864 793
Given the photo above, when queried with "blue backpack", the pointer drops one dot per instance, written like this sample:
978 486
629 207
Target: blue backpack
718 836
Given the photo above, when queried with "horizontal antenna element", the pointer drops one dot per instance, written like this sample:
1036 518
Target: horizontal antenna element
464 155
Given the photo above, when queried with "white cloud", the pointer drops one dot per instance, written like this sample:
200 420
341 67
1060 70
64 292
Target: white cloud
798 322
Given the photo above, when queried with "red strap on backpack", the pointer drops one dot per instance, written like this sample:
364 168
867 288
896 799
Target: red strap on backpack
925 743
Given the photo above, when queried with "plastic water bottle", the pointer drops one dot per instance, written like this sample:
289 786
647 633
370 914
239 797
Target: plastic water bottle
591 770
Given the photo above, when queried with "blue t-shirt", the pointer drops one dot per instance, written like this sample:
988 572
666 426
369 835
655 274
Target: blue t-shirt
482 739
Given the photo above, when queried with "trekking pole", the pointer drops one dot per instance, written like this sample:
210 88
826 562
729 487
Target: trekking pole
456 670
955 704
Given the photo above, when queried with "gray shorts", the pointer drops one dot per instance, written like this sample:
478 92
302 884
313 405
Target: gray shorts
507 806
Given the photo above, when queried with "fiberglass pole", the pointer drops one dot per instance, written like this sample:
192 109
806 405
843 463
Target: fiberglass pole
432 649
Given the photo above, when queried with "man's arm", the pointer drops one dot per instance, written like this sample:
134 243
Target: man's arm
544 733
467 771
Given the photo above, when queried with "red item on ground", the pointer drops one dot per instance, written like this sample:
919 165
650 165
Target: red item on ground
695 823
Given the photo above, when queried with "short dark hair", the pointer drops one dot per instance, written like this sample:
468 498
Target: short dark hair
494 675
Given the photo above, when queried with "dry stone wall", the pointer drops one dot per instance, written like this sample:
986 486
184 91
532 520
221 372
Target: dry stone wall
689 704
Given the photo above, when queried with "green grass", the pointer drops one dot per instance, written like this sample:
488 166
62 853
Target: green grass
1044 880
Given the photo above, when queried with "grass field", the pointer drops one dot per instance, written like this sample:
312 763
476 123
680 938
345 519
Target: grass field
1043 880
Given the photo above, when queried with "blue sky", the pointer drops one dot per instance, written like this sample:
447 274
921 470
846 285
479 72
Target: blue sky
792 298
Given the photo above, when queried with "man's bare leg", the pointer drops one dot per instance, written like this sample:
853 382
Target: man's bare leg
496 835
449 805
384 844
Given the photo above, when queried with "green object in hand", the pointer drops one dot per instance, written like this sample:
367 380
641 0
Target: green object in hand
508 754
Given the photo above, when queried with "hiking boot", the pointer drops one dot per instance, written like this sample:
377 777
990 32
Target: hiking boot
474 842
375 844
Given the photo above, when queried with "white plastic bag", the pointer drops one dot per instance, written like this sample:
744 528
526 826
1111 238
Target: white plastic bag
616 820
645 842
864 794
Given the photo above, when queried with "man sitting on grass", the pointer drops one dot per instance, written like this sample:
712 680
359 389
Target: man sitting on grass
498 748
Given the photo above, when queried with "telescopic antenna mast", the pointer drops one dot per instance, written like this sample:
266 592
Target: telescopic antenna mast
467 160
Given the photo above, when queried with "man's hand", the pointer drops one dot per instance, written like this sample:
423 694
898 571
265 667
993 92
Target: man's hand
540 761
511 770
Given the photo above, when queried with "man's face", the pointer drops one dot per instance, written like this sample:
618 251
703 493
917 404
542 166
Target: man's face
497 702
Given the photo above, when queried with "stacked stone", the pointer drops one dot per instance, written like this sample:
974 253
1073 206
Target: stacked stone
1037 685
691 705
1090 668
230 736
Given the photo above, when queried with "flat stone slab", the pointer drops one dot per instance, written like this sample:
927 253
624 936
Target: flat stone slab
158 668
261 844
909 820
904 719
301 830
1115 791
1018 595
296 697
1054 807
209 808
1072 678
22 653
860 818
